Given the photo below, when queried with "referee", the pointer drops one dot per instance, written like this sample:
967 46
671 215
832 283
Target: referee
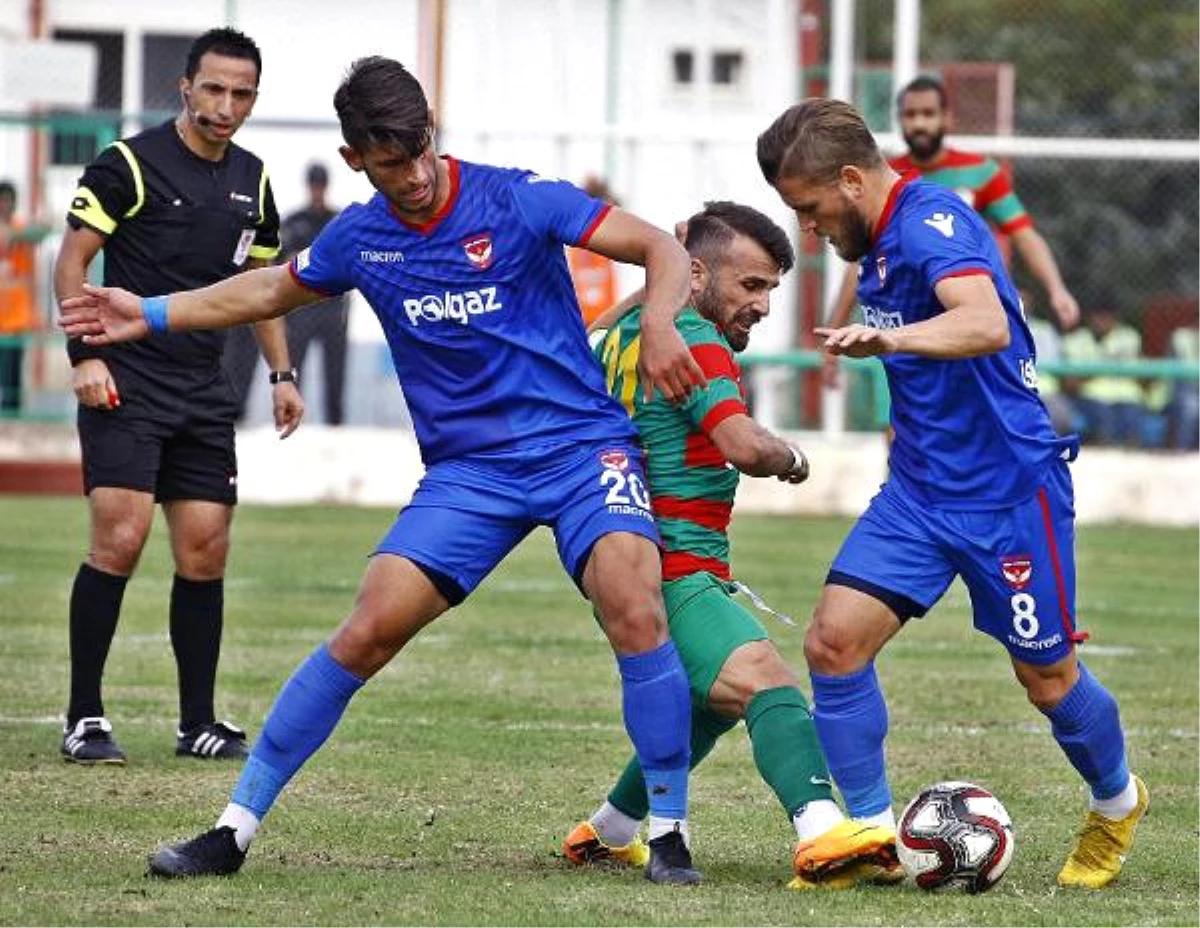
174 207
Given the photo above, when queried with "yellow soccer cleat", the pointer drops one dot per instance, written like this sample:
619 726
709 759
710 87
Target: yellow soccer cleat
583 846
1103 845
847 854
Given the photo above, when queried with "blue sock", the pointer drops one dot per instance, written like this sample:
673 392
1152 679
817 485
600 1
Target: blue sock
304 715
852 722
658 717
1087 726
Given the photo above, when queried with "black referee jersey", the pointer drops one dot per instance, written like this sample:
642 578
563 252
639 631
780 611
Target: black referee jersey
173 221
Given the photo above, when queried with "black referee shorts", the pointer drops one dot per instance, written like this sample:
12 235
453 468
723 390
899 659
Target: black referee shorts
171 436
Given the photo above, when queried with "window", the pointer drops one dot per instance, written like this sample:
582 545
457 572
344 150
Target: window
725 71
683 66
727 68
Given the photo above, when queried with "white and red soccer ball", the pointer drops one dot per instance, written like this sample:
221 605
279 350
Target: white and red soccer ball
955 835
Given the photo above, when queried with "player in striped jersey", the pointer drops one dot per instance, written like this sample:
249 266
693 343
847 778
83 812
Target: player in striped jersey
695 452
924 116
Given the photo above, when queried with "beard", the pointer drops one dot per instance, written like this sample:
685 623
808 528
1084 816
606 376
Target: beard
923 147
708 305
854 237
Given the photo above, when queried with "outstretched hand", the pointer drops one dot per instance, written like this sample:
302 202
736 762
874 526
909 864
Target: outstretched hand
664 363
857 341
103 316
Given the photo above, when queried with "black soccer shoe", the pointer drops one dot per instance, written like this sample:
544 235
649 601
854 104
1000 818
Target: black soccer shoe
671 861
91 742
216 740
214 853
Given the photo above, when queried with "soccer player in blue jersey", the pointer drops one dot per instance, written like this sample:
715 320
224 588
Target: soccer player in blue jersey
464 266
979 485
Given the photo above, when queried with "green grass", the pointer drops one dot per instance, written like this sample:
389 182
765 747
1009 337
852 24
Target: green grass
442 797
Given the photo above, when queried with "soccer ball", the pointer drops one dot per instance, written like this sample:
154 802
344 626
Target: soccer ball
955 835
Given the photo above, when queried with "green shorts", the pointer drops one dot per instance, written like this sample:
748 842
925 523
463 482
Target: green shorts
707 625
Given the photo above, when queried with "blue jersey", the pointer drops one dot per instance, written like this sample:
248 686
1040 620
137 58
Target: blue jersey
479 312
970 433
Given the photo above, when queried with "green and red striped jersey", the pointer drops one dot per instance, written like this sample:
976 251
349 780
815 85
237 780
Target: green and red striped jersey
692 486
979 180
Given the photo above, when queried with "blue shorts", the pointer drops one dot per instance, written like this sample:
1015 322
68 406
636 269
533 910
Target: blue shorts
1018 563
468 513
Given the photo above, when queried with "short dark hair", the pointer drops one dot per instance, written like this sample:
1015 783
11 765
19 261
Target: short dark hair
227 42
380 103
8 188
920 83
814 139
317 175
711 230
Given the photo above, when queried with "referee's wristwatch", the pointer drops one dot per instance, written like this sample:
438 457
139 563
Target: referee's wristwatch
288 376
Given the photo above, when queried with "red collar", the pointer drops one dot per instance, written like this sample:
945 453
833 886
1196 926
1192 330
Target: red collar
890 206
435 220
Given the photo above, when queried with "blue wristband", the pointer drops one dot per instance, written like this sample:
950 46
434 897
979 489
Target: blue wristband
154 309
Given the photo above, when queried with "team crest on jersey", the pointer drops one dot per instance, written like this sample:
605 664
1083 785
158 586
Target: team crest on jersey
479 250
615 460
1017 570
881 268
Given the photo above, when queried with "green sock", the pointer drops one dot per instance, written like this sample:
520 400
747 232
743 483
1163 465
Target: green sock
786 749
629 795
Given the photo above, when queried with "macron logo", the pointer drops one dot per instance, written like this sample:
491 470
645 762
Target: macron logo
943 222
371 256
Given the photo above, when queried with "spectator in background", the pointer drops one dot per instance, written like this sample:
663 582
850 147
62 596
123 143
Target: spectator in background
324 322
1183 411
594 275
1113 408
18 310
1048 344
925 118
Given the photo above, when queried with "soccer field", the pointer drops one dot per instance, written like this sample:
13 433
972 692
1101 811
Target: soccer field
444 794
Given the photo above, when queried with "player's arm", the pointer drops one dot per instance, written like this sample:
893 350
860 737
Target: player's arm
612 315
755 451
664 362
104 315
287 405
1036 253
973 324
79 248
271 334
998 201
91 380
839 315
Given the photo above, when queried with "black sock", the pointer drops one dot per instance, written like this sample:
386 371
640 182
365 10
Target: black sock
95 608
197 611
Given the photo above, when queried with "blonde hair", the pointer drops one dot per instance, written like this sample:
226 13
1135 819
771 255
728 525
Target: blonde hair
814 140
